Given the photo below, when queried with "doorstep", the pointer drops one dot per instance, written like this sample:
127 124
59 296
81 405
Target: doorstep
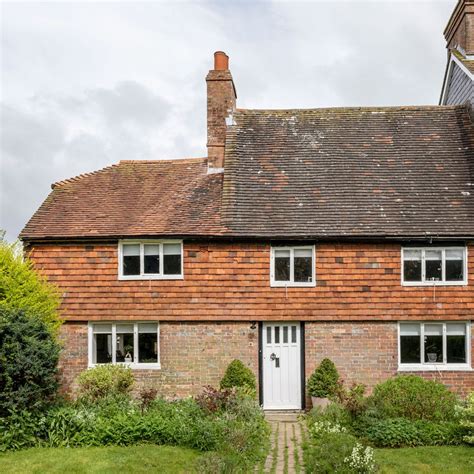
283 416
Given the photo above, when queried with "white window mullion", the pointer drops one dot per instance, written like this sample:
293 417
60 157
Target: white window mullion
443 265
423 266
292 265
90 332
135 343
422 345
114 344
158 342
142 259
162 258
445 345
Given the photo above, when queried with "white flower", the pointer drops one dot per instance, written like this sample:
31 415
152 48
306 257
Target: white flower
320 428
361 459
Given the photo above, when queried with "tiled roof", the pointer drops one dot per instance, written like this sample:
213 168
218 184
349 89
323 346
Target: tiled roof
132 198
352 172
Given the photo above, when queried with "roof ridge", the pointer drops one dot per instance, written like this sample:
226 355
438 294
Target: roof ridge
81 176
167 160
360 108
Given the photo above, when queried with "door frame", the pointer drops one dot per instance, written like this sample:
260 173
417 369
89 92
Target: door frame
302 362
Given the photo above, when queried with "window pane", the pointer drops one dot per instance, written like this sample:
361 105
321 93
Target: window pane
152 258
410 329
433 343
282 265
410 349
456 329
293 334
148 327
124 349
102 328
277 335
456 349
412 265
454 270
172 264
269 335
131 259
147 348
172 259
433 264
303 265
102 348
285 334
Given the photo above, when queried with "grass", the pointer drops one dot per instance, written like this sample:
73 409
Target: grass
296 455
275 451
428 459
136 459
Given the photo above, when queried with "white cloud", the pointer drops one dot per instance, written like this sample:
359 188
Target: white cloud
87 84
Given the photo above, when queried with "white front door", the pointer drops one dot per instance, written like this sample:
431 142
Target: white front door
281 353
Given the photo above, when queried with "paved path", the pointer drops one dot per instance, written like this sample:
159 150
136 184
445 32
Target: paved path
285 455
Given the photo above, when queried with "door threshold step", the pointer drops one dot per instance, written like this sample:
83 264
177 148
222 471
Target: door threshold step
284 416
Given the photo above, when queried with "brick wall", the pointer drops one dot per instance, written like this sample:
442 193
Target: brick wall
231 281
192 355
197 354
367 352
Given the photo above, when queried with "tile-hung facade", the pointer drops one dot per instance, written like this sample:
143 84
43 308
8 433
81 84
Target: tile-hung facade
342 233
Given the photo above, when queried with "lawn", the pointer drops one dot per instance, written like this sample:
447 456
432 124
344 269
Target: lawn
136 459
429 459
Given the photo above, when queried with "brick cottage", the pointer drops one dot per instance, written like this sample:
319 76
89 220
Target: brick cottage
345 233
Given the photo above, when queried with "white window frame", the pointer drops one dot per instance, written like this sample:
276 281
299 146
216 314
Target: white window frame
149 276
441 282
435 366
132 365
291 282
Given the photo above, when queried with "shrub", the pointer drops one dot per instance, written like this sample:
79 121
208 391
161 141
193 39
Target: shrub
353 399
468 420
19 430
28 363
401 432
146 396
22 289
334 413
361 459
323 381
410 396
320 428
212 400
238 375
105 381
328 454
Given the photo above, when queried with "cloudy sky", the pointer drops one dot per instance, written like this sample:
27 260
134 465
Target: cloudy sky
84 85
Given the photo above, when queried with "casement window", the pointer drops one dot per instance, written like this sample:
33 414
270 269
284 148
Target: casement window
134 344
434 346
149 260
292 266
430 266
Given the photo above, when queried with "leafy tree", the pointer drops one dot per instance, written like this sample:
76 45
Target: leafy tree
28 363
21 288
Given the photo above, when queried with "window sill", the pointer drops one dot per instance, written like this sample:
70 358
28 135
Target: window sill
436 283
276 284
435 368
132 366
150 277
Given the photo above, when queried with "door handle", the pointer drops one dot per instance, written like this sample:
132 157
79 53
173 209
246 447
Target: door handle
273 356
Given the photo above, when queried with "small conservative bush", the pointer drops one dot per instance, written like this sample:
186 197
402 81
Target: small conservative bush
467 421
238 375
402 432
212 400
410 396
28 363
323 381
338 452
105 381
353 399
19 430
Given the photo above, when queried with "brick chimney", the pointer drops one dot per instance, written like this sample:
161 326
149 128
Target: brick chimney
221 101
459 32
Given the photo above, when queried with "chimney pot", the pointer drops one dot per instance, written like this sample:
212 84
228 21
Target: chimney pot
221 61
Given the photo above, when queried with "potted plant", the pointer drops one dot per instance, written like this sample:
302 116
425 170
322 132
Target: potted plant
322 385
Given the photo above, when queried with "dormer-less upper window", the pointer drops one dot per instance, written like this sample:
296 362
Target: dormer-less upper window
150 260
292 266
434 265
